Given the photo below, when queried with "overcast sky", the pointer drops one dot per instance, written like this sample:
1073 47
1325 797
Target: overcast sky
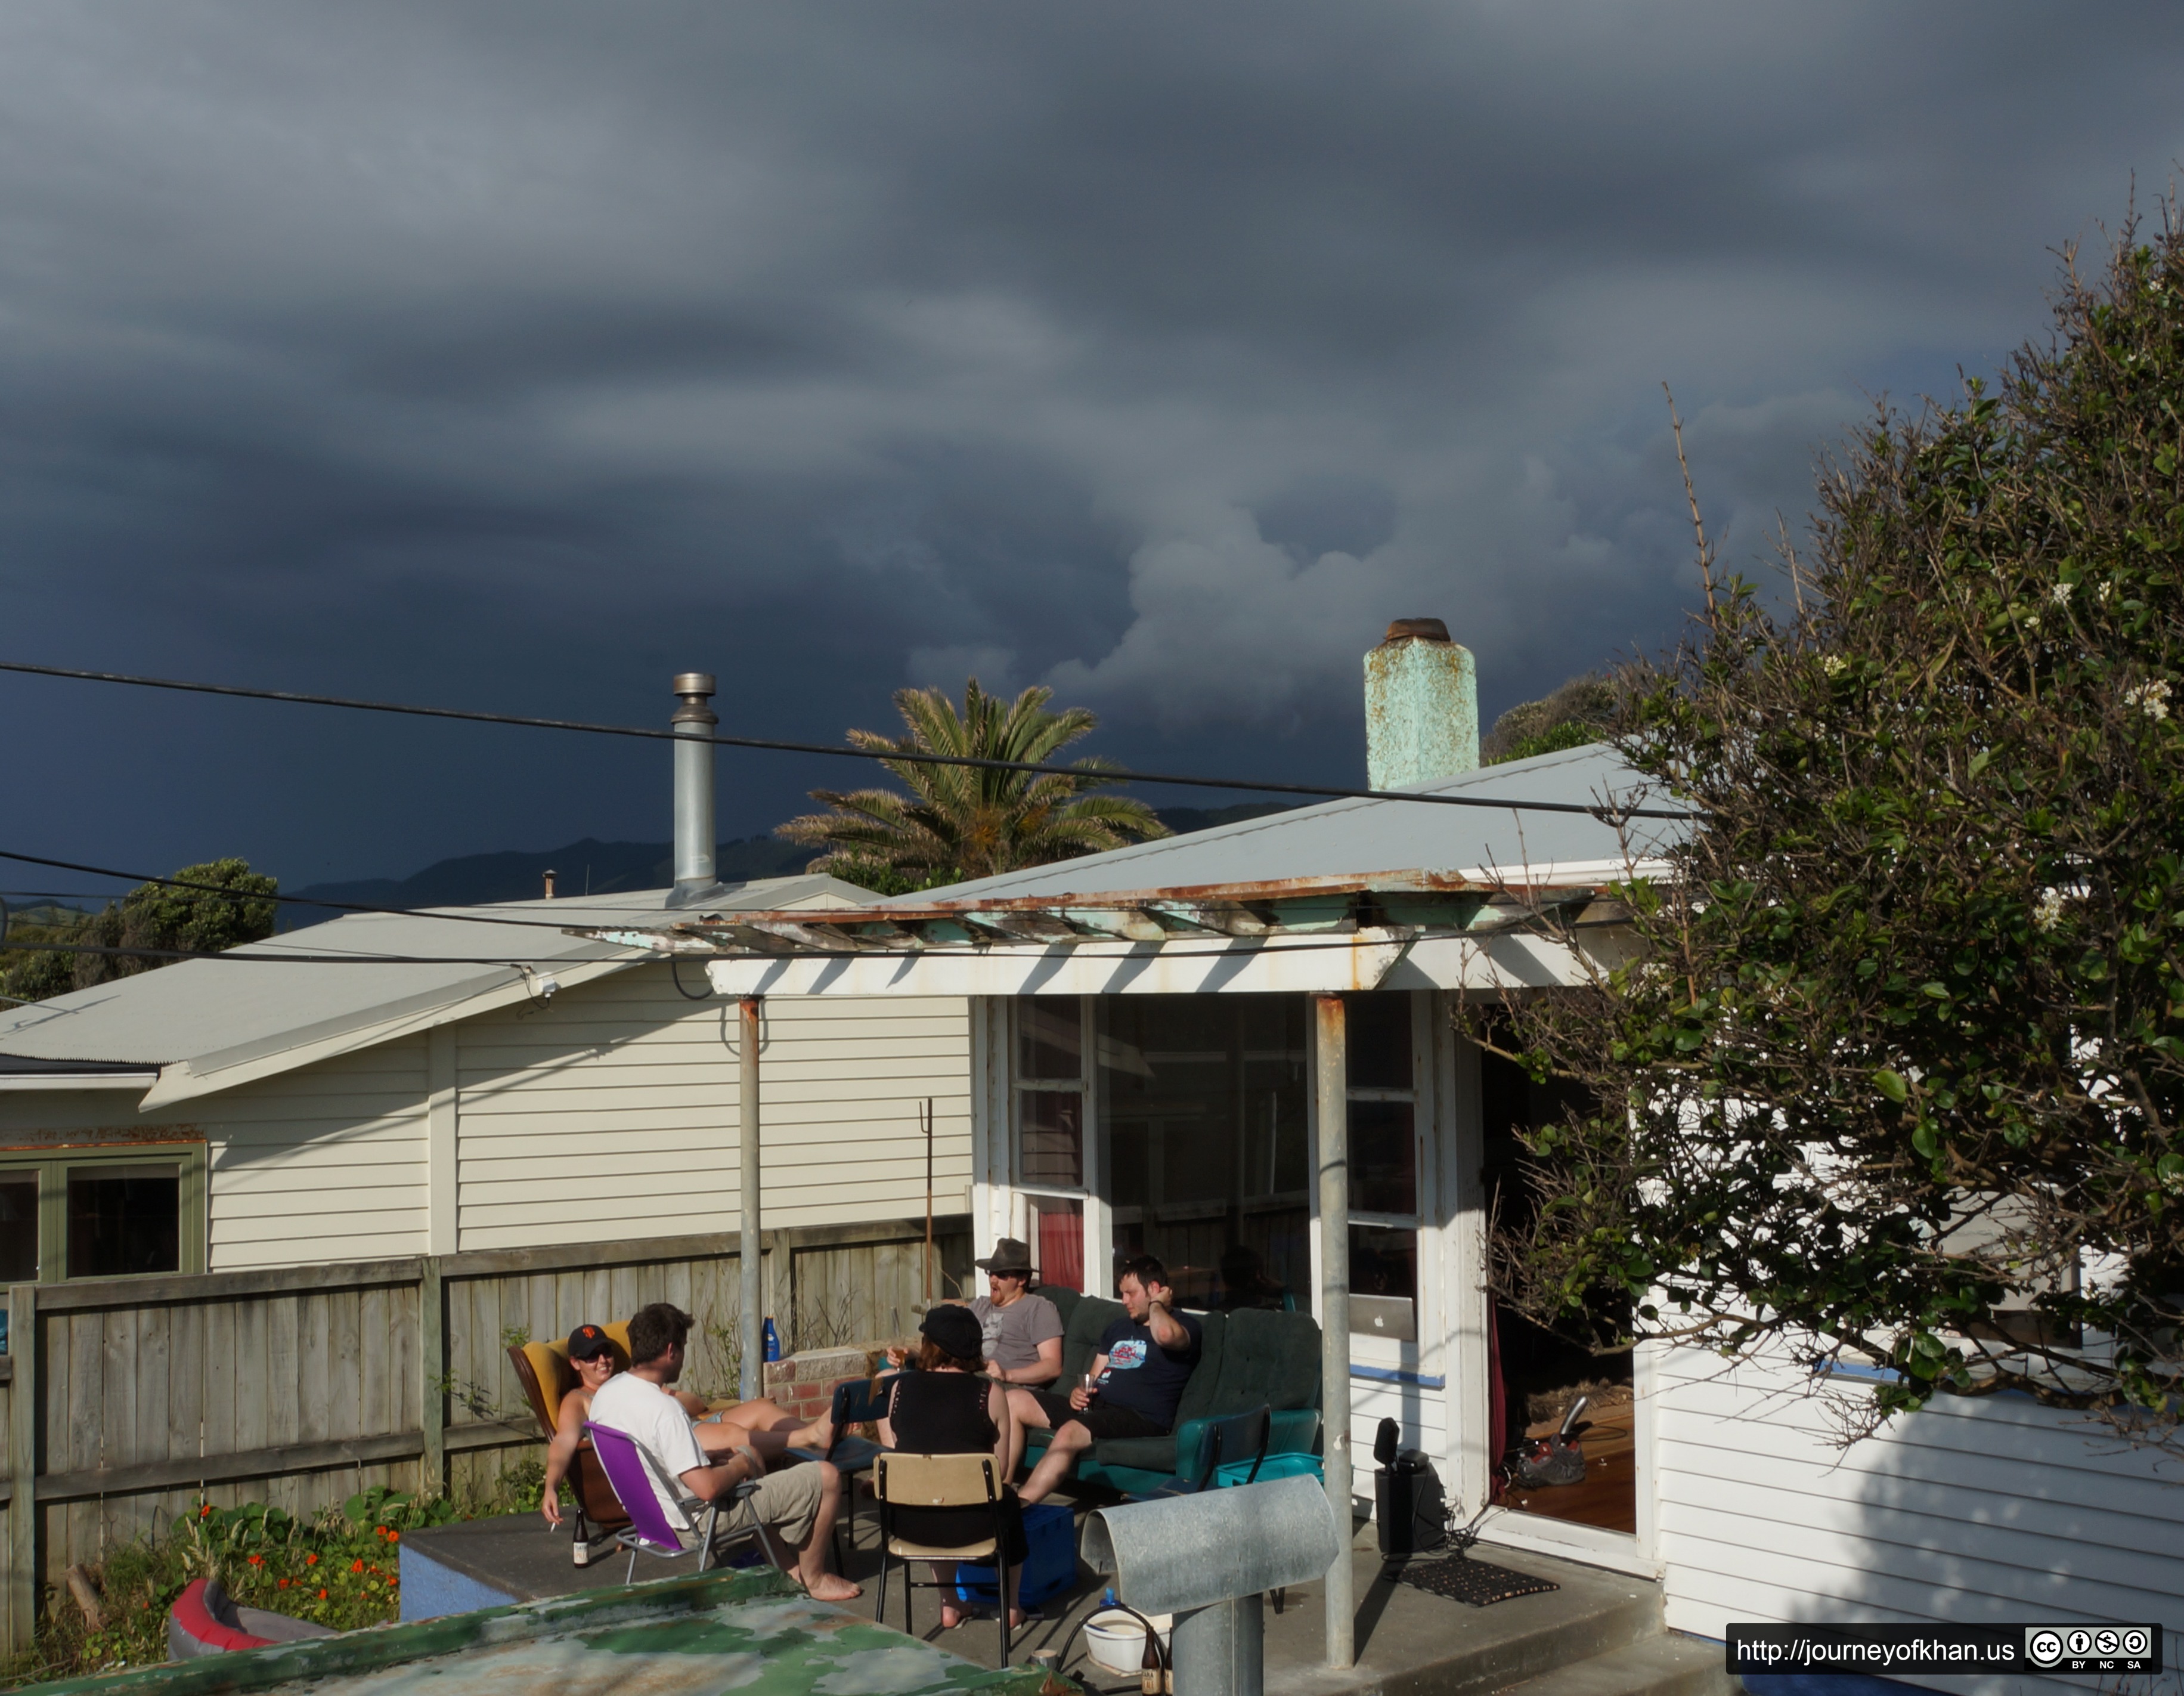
518 356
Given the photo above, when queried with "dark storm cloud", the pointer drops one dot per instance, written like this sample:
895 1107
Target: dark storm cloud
516 355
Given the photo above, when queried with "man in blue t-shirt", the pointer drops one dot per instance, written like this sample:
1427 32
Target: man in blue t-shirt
1144 1360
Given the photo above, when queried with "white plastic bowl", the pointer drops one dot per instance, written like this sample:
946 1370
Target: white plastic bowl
1116 1641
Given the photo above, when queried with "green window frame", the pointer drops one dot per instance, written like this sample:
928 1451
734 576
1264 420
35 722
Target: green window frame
51 1170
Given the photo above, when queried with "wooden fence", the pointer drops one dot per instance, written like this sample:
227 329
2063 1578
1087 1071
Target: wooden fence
125 1401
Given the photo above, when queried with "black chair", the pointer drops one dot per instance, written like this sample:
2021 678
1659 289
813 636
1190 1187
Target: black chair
1232 1441
856 1400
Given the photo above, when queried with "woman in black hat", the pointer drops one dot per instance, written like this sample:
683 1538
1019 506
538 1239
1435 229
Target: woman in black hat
948 1407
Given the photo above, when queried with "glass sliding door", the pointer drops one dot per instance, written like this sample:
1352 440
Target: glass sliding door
1202 1104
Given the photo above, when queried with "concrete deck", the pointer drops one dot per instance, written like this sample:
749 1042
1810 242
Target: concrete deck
1599 1635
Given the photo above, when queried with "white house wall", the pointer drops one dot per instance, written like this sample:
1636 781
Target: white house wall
611 1112
1976 1510
607 1114
324 1163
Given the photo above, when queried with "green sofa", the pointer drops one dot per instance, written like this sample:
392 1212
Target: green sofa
1248 1357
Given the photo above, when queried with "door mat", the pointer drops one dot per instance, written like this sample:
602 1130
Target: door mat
1479 1583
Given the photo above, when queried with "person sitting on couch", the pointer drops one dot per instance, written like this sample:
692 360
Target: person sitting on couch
1021 1330
1138 1376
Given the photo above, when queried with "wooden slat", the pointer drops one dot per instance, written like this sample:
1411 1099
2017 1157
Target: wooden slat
282 1390
198 1286
24 1323
253 1463
186 1382
146 1438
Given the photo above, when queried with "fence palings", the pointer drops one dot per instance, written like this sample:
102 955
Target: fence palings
125 1401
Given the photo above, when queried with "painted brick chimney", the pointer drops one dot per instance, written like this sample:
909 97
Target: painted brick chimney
1420 707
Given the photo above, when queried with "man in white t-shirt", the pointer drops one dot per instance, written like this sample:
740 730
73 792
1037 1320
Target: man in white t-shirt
795 1505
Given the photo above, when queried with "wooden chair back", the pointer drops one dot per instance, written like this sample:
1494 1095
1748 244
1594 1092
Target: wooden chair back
936 1481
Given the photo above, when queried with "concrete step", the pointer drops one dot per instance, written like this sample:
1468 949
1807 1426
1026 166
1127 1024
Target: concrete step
1664 1665
1411 1644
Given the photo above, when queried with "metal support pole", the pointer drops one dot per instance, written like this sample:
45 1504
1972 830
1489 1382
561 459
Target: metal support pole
1332 1055
1221 1650
750 1251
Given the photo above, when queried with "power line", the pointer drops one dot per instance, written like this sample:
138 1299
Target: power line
649 733
468 916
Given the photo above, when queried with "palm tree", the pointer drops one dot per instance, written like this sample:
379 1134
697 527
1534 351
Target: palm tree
961 822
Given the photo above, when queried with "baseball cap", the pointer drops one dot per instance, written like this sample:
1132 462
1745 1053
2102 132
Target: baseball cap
587 1341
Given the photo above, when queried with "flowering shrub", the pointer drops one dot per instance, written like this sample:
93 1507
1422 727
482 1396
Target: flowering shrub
340 1568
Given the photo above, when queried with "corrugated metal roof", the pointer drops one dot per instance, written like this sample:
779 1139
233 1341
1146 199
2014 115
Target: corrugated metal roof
219 1013
1357 839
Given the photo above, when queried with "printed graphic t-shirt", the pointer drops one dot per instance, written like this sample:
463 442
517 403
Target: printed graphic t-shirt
627 1402
1143 1377
1014 1333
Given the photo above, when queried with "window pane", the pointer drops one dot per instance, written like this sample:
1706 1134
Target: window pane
1057 1241
1052 1143
19 1227
1383 1158
1379 1039
1202 1117
1049 1040
123 1219
1383 1282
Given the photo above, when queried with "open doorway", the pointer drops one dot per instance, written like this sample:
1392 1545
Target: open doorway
1537 1377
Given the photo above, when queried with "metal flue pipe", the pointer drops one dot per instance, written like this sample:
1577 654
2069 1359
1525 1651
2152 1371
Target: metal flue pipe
694 873
751 1257
1332 1066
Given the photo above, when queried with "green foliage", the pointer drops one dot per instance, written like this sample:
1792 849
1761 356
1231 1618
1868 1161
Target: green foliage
227 904
1578 711
340 1568
1898 1071
961 822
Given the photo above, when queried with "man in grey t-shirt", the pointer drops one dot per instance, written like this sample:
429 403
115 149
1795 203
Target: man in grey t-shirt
1022 1331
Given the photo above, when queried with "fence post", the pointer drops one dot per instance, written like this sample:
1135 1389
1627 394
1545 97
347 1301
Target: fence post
25 1402
432 1366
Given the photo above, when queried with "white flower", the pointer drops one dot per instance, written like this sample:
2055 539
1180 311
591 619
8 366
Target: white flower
2151 699
2031 621
2104 592
1835 664
2060 594
2048 911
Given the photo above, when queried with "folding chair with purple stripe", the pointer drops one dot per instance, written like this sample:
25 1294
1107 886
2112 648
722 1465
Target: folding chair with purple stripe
649 1532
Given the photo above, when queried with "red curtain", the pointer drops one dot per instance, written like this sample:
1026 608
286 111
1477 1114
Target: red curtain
1062 1249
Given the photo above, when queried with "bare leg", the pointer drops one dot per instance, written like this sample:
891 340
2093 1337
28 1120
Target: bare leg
761 1415
811 1569
1070 1441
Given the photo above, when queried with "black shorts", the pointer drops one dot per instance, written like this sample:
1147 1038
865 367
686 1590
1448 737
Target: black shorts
1100 1421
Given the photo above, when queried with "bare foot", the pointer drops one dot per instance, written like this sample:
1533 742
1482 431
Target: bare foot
950 1616
827 1588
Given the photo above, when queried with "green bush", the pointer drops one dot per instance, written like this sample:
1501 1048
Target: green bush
340 1568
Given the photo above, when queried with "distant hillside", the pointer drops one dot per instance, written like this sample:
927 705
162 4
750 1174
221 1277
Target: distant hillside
613 868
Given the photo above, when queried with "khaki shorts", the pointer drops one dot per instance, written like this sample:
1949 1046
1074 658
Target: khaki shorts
786 1503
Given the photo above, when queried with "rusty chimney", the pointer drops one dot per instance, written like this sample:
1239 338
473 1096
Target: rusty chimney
1420 707
549 882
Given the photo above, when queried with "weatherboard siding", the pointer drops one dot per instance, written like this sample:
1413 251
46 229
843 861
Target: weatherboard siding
1988 1509
611 1112
324 1163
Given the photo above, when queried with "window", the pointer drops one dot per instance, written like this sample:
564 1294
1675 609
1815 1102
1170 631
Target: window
1050 1133
1202 1107
1384 1165
96 1213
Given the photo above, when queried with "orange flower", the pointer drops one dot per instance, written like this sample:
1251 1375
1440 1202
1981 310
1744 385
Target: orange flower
284 1584
310 1560
204 1510
394 1536
322 1595
356 1566
258 1560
